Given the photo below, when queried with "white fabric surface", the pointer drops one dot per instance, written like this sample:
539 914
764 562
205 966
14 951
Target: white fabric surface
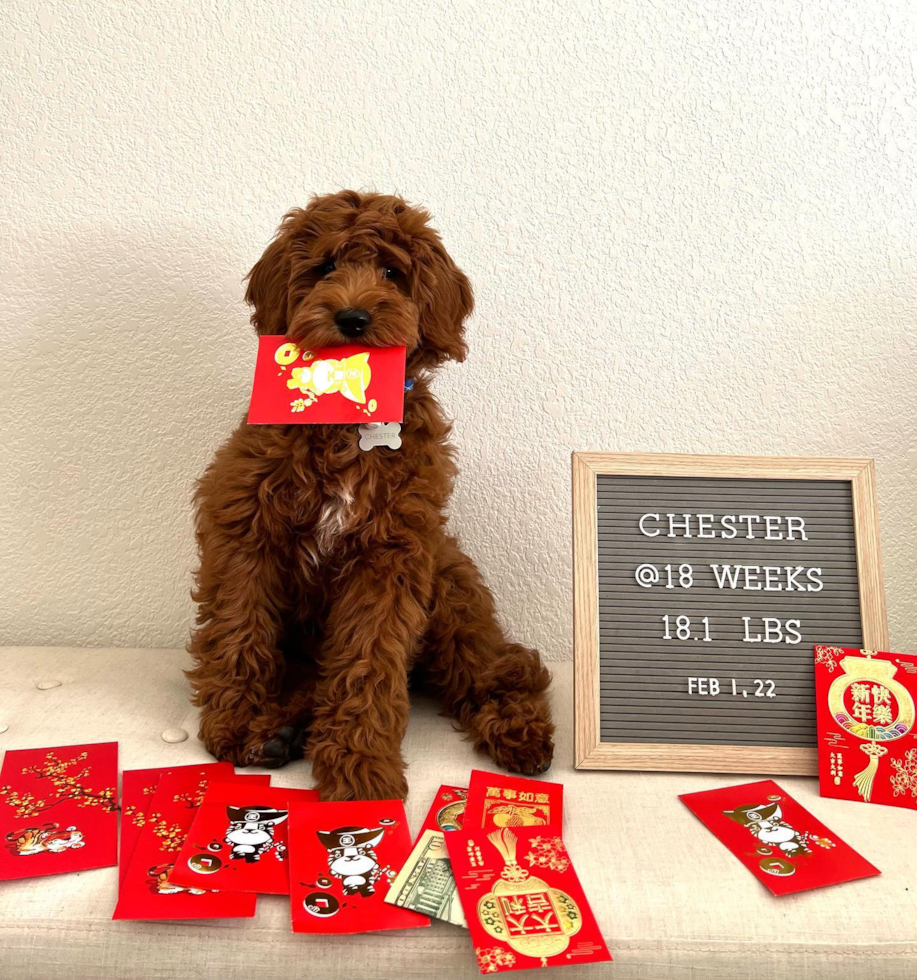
671 901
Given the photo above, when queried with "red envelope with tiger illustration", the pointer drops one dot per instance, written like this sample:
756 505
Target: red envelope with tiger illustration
348 384
238 841
343 857
447 810
146 892
866 725
523 902
137 789
58 810
496 800
776 838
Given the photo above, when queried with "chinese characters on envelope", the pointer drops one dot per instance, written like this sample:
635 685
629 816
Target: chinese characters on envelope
866 725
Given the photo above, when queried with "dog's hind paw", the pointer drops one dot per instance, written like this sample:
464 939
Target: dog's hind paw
277 749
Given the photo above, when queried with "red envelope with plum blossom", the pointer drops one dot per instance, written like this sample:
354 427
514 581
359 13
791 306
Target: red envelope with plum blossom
776 838
58 810
137 789
238 841
343 857
348 384
867 737
447 809
146 892
497 800
523 902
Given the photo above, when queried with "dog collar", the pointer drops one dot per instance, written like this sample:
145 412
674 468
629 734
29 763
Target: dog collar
408 384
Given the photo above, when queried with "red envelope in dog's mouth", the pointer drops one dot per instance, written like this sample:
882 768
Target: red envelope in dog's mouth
352 384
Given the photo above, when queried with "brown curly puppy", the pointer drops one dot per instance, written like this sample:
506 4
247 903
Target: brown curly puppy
327 579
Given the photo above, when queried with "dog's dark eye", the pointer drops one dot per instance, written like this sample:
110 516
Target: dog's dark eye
326 268
390 272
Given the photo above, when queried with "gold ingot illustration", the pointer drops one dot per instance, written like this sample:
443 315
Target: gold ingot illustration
350 376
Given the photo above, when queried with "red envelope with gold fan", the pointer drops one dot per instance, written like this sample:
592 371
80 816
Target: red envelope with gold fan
523 902
58 810
866 725
349 384
498 800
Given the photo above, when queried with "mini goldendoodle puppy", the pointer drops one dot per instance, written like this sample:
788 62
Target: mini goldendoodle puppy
327 580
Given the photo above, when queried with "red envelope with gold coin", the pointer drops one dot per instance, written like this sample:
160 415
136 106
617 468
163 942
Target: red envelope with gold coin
776 838
447 810
523 902
348 384
238 841
146 892
866 725
58 810
343 857
496 800
137 789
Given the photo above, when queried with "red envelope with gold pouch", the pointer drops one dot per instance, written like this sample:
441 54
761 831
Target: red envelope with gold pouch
867 737
238 841
343 857
523 902
447 810
349 384
498 800
146 892
776 838
58 810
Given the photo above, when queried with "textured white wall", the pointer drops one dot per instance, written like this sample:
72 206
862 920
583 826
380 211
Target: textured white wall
691 227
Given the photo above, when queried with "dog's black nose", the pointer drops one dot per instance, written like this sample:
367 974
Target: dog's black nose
352 322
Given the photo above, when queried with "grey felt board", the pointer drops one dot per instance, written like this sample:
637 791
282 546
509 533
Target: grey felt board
644 678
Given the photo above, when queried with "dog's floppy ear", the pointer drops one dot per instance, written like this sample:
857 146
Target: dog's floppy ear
268 284
445 299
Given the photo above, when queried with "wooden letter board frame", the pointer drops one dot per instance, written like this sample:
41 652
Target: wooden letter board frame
591 751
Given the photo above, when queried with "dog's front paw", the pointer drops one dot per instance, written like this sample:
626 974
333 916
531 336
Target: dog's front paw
516 735
342 775
275 749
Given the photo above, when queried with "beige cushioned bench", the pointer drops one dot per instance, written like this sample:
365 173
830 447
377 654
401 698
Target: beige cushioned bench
671 901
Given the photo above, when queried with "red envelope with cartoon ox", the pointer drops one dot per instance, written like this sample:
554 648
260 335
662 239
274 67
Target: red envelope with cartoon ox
523 902
776 838
58 810
447 810
343 857
137 789
866 725
238 841
496 800
146 892
348 384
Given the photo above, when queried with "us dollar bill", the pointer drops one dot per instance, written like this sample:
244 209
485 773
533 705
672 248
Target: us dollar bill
425 883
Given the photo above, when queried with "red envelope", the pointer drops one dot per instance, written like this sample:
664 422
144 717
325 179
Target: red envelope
137 789
343 857
522 900
349 384
866 729
58 810
146 892
447 810
496 800
238 841
776 838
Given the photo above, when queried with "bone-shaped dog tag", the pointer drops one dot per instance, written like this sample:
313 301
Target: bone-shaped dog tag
374 434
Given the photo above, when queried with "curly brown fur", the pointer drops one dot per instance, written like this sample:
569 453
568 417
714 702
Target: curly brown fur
326 576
